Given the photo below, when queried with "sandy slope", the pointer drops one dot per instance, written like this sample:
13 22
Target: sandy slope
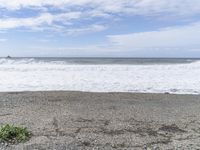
79 120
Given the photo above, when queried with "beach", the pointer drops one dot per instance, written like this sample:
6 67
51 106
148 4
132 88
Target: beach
62 120
100 75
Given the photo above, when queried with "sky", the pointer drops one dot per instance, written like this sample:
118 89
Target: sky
100 28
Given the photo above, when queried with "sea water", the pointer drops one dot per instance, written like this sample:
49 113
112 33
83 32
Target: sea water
180 76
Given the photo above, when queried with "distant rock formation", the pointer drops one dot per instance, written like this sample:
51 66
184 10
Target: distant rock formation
8 57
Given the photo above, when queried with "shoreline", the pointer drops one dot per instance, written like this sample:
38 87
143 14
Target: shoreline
96 92
89 120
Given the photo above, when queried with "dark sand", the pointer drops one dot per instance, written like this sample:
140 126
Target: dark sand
105 121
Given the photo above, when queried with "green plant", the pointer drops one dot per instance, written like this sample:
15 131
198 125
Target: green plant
12 134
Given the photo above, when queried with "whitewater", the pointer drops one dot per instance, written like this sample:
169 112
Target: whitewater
33 75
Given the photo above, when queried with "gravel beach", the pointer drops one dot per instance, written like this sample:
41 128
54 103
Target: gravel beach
62 120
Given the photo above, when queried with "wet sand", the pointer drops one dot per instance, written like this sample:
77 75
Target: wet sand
89 121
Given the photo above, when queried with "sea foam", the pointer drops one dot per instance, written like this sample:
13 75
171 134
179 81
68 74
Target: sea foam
38 75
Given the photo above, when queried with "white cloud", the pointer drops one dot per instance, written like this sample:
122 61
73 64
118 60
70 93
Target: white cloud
174 39
85 30
142 7
3 40
187 36
72 12
178 41
43 19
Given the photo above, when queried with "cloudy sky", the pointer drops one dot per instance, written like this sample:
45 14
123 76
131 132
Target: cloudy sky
100 28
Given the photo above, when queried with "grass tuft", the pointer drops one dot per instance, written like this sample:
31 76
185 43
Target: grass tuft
13 135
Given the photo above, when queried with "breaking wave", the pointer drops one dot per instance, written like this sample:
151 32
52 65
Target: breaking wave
31 74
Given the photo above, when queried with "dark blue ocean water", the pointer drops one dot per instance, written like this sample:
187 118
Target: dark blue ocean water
99 61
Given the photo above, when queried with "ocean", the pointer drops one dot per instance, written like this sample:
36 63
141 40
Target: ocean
160 75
